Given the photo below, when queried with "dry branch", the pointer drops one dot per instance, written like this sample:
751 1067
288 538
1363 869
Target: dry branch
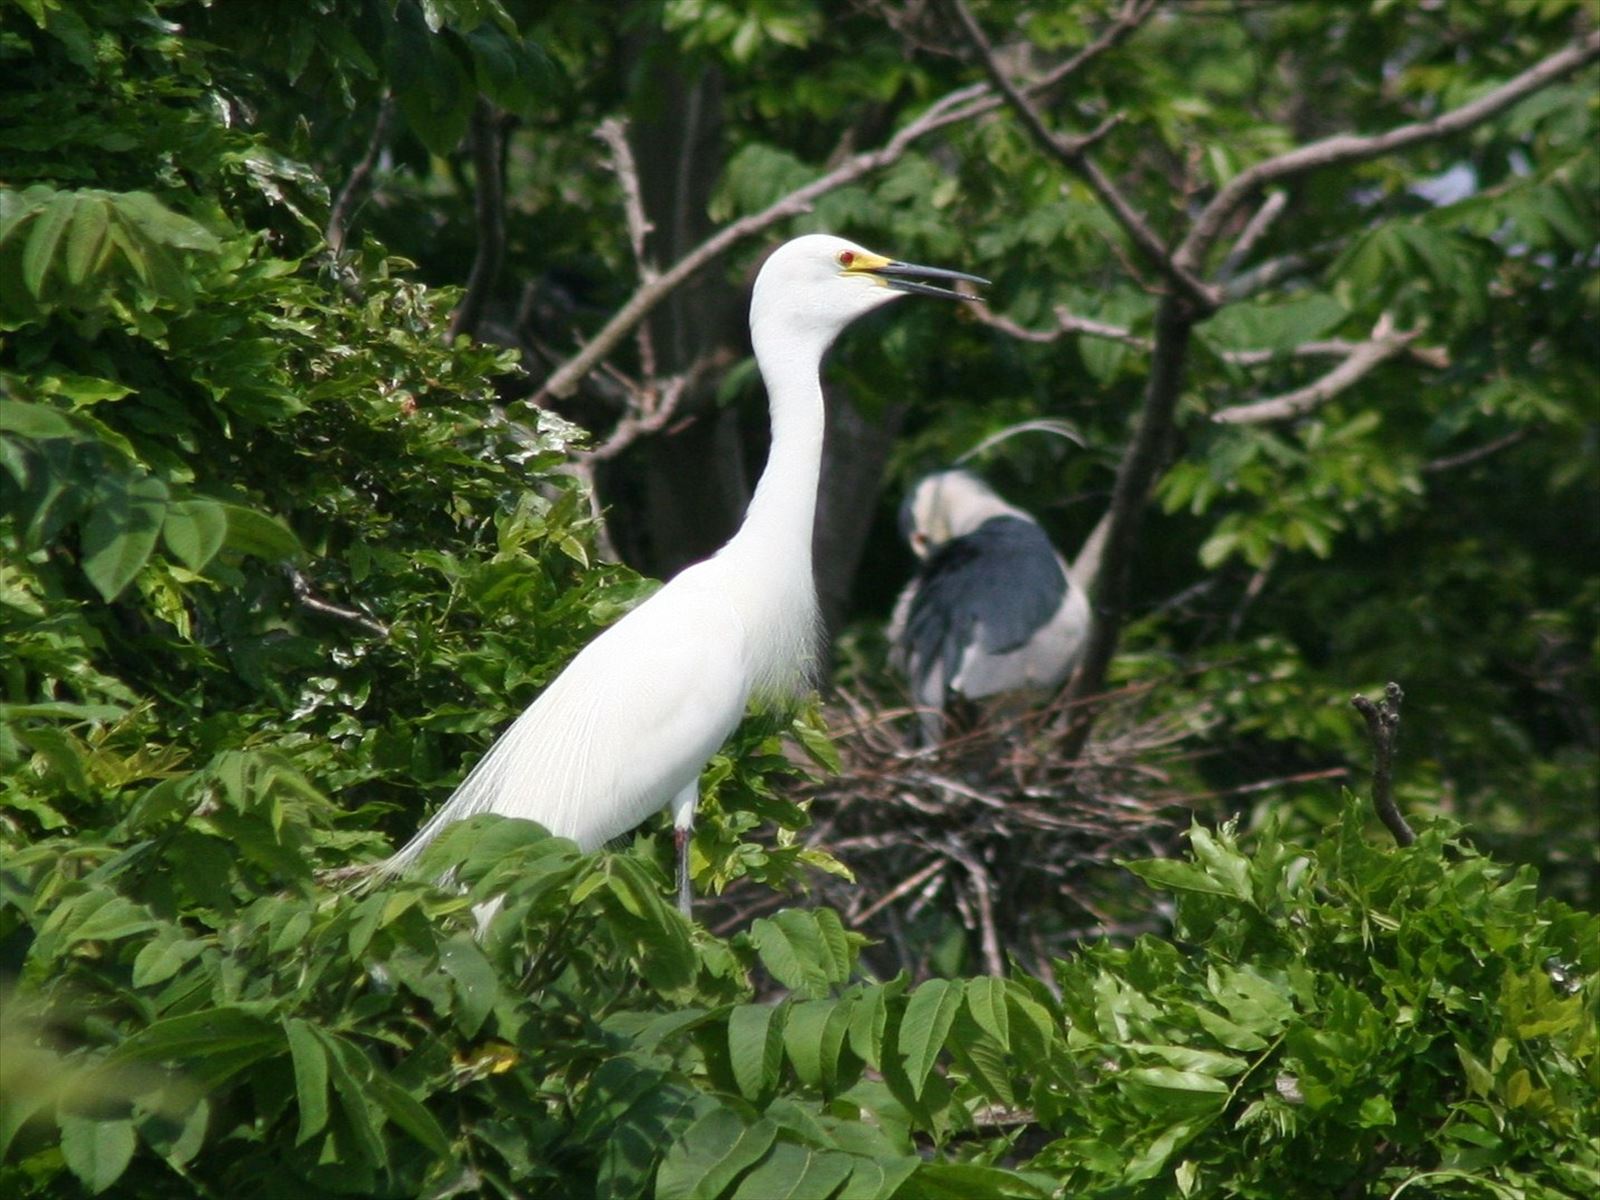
1352 148
350 194
1365 358
1383 727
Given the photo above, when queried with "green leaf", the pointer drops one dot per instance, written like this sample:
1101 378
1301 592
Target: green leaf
813 1037
88 244
986 1001
96 1150
924 1027
39 252
711 1154
793 1172
310 1078
878 1178
121 531
251 532
477 986
755 1047
1174 876
805 951
410 1114
37 421
209 1032
194 531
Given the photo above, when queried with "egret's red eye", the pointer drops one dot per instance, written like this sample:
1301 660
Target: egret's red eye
846 257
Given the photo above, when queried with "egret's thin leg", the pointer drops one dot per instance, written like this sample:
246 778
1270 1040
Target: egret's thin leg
682 834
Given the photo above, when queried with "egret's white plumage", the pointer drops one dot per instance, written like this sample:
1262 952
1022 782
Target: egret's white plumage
626 728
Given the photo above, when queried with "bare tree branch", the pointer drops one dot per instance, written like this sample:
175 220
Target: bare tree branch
1383 727
1349 148
613 132
311 602
351 193
1254 230
1068 322
1361 362
1467 457
1073 153
489 210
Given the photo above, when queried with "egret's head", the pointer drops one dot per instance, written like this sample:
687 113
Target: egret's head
818 284
948 505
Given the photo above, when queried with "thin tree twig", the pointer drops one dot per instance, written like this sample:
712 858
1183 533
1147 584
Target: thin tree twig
613 132
1255 229
1073 153
489 212
1069 323
1467 457
350 194
1383 728
1361 362
311 602
1351 148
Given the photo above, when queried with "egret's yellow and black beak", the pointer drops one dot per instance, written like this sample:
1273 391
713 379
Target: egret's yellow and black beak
907 277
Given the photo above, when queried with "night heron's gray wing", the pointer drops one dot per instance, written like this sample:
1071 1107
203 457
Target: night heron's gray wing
986 593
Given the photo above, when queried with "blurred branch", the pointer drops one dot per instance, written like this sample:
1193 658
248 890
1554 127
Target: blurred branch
355 186
1383 728
1254 230
1467 457
1351 148
489 210
1072 152
1359 363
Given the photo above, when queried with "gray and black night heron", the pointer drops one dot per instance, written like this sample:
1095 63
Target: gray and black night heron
991 610
626 728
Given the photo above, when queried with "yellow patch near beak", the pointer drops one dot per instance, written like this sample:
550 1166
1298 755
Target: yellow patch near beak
864 263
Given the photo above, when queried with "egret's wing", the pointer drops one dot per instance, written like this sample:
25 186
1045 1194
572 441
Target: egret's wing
626 726
989 590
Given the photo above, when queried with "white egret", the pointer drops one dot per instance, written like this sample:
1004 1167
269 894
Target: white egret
626 728
991 609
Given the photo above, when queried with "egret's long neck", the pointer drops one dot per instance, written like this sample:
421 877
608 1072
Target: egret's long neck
783 509
772 550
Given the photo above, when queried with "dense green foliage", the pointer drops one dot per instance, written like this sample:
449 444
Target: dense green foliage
276 558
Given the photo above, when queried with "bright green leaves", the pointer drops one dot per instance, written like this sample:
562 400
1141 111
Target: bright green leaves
91 250
808 952
929 1013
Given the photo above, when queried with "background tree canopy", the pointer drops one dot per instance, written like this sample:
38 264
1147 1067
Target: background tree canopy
349 351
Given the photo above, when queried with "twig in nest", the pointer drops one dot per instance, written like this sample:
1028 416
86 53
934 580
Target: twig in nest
1383 727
